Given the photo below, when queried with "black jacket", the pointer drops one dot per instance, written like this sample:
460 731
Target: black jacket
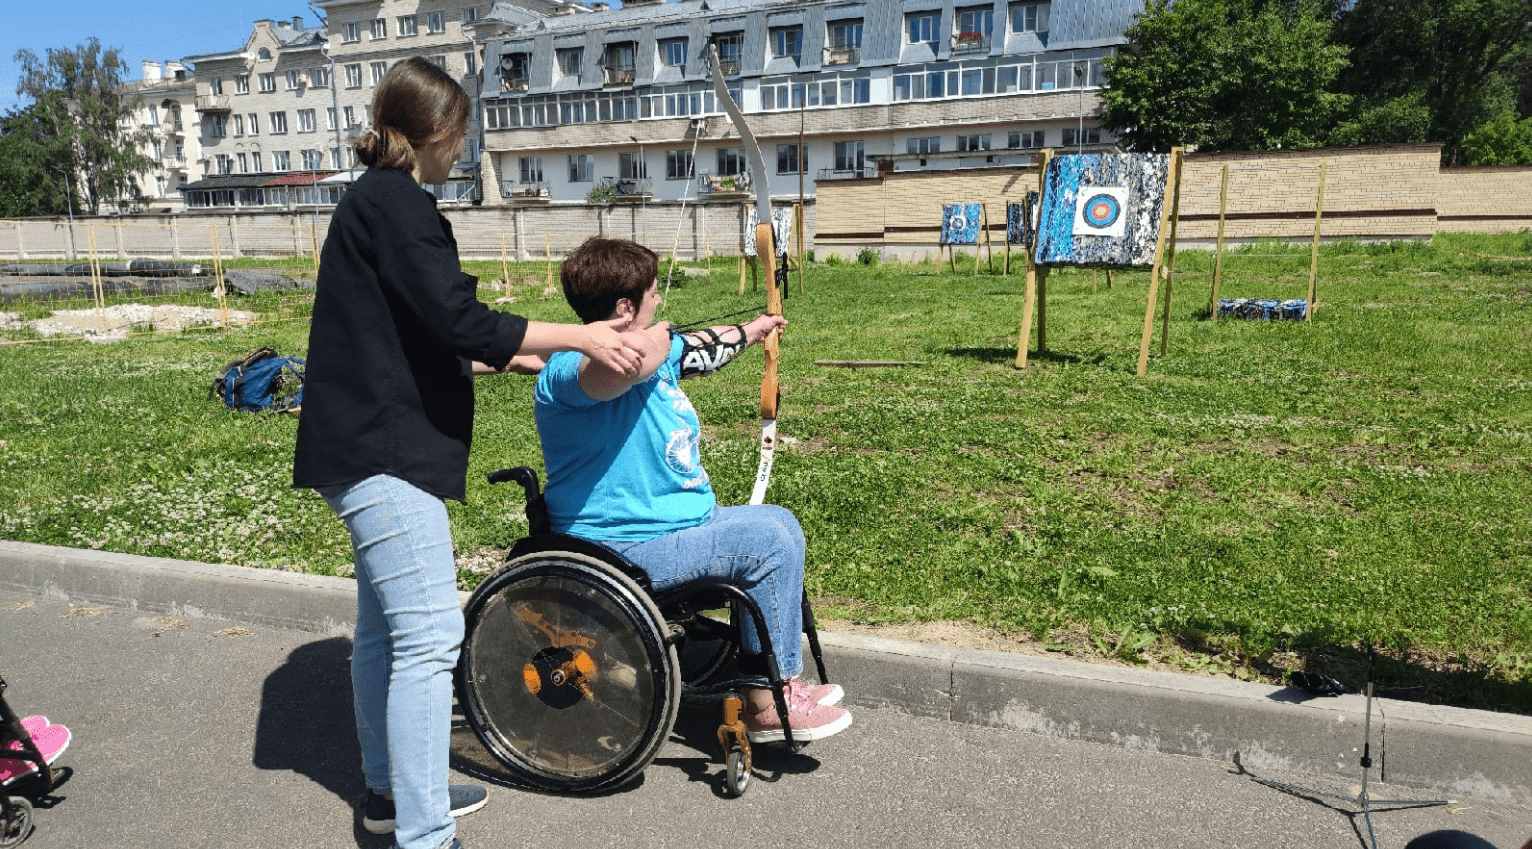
388 386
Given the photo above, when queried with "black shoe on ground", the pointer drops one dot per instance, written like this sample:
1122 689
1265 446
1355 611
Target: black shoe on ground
378 809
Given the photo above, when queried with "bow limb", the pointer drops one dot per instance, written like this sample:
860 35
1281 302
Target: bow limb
766 250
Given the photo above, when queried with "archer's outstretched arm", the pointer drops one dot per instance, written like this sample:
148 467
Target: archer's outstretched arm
710 349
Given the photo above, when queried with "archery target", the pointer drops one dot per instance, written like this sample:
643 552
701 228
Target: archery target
1101 211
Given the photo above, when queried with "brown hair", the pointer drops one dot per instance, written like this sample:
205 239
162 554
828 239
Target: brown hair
602 272
416 104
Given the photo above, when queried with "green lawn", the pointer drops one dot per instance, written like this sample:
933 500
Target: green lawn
1270 494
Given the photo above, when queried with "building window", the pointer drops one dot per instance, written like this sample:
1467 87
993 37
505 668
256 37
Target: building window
319 77
439 60
470 15
471 62
620 68
306 120
254 122
789 159
378 70
1072 136
532 169
1024 139
850 156
630 166
923 26
242 84
354 76
351 32
569 61
436 22
678 165
220 126
673 53
970 142
350 113
280 161
856 91
927 144
408 25
335 158
976 21
312 161
378 28
239 125
787 43
329 118
225 163
268 81
731 160
217 85
294 79
255 160
846 35
244 163
513 71
278 123
730 47
1029 17
582 168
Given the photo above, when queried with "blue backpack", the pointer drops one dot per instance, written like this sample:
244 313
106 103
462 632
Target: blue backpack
264 381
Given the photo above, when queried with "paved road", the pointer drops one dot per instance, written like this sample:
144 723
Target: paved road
198 733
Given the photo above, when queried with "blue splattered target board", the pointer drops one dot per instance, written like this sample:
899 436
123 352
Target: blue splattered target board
1101 209
960 223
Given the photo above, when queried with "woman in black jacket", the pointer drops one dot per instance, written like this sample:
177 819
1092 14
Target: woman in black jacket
398 333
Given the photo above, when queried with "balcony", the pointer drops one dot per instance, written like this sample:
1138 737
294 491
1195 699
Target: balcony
213 103
513 83
173 163
621 75
866 171
628 189
839 55
970 42
724 185
729 67
526 192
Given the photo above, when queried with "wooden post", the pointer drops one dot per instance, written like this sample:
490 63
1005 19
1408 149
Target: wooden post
1042 310
95 276
1223 200
1029 300
505 267
1007 264
21 247
798 215
1319 205
314 243
951 259
1172 178
1093 280
218 287
548 249
1109 278
1170 260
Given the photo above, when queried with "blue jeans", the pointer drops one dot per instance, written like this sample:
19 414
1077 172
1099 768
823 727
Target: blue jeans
409 628
759 548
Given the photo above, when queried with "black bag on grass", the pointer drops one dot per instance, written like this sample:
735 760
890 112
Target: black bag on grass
263 381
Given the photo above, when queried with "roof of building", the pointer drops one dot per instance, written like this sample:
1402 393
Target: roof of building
306 178
229 181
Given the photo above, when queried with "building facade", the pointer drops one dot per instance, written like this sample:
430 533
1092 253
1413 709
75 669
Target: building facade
619 103
164 105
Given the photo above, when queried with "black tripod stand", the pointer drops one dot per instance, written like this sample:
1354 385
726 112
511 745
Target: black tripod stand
1361 798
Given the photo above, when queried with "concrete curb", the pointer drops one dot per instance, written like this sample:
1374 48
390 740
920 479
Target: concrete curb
1453 751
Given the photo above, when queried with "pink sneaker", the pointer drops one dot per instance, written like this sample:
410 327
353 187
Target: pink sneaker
51 741
819 694
810 721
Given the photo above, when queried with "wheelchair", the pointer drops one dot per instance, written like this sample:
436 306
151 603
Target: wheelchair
572 667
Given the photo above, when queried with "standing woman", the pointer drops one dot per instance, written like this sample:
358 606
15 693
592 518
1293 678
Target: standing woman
398 333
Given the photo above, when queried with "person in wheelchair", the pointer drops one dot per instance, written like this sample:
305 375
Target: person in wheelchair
624 471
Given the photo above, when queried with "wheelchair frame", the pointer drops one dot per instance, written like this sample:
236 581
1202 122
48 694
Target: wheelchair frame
589 670
16 812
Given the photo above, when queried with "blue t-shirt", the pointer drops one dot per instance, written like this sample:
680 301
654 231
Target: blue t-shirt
624 470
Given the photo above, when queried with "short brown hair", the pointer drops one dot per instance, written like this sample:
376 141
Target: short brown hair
416 104
602 272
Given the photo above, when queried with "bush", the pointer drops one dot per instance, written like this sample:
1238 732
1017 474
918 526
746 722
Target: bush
867 256
832 258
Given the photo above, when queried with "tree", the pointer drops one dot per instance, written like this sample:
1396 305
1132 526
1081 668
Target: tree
1226 75
1452 65
1501 141
33 167
78 103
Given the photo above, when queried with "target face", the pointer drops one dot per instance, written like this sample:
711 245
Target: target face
1100 211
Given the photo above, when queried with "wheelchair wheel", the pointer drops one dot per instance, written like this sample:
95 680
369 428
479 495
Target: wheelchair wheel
565 674
15 827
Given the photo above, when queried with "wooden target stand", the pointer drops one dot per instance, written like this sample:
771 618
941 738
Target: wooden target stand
978 246
1035 299
795 231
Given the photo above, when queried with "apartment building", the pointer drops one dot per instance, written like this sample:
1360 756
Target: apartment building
619 101
165 106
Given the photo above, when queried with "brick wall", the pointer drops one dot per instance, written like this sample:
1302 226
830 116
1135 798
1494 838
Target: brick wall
1485 200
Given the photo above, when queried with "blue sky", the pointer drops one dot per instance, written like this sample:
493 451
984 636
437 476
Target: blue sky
163 29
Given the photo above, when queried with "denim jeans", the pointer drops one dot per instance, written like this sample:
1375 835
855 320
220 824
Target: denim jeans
759 548
409 628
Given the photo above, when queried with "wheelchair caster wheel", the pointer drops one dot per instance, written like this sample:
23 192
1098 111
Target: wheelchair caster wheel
736 776
18 823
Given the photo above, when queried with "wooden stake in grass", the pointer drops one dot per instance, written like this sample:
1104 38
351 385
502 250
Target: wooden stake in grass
1172 184
1170 261
97 296
548 249
1319 205
505 267
220 290
1223 201
1029 300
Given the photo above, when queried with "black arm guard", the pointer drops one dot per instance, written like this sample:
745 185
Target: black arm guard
703 351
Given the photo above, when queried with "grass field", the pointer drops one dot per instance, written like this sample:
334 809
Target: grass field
1269 495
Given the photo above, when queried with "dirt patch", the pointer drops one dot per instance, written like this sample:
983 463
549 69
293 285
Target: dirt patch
115 322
